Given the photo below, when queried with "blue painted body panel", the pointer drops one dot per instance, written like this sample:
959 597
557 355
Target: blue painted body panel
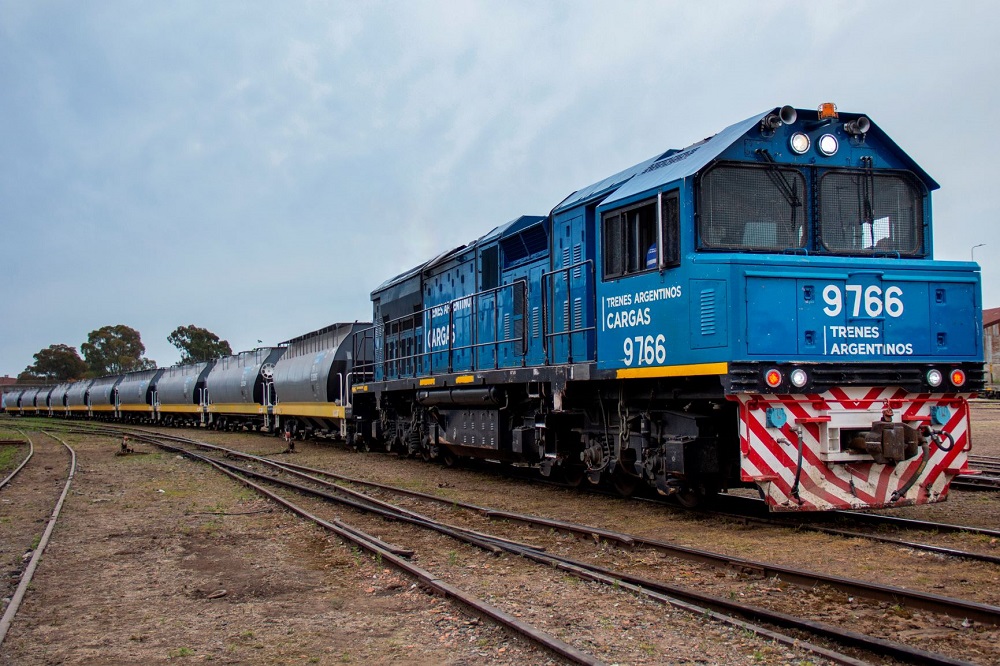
549 303
724 308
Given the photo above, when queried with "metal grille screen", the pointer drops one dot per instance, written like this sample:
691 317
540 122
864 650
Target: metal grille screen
862 213
752 208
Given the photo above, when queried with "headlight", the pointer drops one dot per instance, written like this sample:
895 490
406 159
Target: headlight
828 145
799 143
934 377
798 377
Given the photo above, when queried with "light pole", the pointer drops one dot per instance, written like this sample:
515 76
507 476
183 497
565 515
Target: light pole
972 252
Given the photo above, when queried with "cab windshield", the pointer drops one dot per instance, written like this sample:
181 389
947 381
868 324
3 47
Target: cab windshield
776 208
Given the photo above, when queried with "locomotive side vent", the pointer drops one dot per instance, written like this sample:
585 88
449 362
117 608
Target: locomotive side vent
707 300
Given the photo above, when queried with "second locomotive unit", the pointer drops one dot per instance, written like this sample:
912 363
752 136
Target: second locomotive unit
759 309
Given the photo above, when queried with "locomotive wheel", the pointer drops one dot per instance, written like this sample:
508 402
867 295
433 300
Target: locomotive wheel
448 457
689 498
624 483
572 475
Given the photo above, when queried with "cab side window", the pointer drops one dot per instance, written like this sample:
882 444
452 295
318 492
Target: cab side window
632 243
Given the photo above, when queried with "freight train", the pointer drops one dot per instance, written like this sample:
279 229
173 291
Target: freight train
760 309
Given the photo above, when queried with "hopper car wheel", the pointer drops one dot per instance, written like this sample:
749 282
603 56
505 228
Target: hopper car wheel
361 444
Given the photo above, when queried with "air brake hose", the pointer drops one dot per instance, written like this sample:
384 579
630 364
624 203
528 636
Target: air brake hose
901 492
936 436
798 465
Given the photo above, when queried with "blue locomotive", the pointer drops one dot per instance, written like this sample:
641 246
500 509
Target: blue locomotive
759 309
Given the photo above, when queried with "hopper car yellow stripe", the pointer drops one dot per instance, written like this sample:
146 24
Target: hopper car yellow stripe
321 409
186 409
236 408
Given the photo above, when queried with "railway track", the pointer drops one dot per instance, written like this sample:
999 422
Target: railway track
35 488
488 543
930 603
986 474
627 542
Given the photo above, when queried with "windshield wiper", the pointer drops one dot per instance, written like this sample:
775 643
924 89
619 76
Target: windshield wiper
778 179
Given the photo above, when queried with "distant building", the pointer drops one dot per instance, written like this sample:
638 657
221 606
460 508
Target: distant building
991 344
6 381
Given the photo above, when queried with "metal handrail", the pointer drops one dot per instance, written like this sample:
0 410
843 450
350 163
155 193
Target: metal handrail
546 277
419 358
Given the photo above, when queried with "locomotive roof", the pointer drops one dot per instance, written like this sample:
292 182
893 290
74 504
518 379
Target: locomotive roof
504 230
676 164
652 173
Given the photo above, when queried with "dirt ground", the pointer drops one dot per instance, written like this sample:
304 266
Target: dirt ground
157 559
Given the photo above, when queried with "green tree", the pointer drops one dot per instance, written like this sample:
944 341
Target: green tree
112 350
198 344
57 363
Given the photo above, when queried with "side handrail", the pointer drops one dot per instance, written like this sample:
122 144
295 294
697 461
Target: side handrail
403 331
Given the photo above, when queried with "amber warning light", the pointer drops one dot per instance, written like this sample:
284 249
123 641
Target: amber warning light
827 110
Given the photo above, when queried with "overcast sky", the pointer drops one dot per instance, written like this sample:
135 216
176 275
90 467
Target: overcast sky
257 168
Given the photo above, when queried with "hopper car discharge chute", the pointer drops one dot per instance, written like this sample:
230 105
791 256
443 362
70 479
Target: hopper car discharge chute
311 383
240 390
180 394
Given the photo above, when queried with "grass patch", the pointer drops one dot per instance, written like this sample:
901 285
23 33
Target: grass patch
10 457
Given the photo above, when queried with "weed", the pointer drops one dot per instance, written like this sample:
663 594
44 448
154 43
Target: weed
247 633
452 557
9 457
181 652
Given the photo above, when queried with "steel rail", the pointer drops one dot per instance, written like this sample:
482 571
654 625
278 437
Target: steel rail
36 556
31 452
749 505
910 523
589 572
679 597
911 598
976 483
425 577
931 548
